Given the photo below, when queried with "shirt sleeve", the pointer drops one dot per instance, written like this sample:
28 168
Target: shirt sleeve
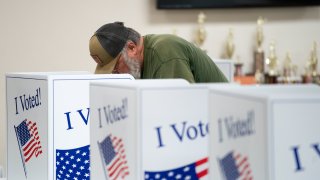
175 68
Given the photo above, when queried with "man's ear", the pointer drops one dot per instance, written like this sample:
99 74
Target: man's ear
131 48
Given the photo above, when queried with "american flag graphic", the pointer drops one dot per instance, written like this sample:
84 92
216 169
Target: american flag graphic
194 171
28 140
235 166
113 158
73 163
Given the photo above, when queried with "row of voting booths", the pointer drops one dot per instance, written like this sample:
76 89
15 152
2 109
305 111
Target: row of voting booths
72 125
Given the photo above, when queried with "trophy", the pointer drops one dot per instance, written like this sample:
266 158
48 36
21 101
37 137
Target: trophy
290 74
229 45
314 60
259 53
238 67
201 32
307 76
311 74
174 32
272 62
287 69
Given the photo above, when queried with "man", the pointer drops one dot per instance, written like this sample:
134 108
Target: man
119 49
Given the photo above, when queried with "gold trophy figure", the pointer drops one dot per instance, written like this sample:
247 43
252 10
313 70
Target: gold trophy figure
229 45
260 37
201 32
272 63
174 32
314 60
272 60
287 69
259 53
311 75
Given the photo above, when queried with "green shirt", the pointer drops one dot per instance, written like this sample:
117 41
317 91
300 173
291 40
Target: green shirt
169 56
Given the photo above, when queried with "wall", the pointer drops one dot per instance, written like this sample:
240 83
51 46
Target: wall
43 35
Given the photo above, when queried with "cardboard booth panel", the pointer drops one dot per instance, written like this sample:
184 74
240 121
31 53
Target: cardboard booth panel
278 138
173 120
145 83
296 138
113 124
267 90
161 125
27 107
283 89
48 124
237 136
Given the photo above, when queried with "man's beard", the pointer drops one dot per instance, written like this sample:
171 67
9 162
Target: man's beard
134 66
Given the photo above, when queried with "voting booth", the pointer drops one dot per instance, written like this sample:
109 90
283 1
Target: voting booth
264 132
149 129
48 124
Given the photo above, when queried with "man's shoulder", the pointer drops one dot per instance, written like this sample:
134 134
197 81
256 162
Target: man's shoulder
167 42
162 38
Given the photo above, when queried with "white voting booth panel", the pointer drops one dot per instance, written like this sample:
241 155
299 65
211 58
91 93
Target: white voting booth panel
149 129
283 89
264 132
226 66
48 124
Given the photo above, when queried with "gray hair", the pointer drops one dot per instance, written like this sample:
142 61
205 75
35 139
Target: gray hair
134 36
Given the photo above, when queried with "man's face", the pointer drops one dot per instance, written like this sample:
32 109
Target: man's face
126 64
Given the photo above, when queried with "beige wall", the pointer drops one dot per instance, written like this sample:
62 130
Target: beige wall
43 35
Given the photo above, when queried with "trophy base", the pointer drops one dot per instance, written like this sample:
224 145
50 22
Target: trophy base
258 61
311 79
270 79
238 69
